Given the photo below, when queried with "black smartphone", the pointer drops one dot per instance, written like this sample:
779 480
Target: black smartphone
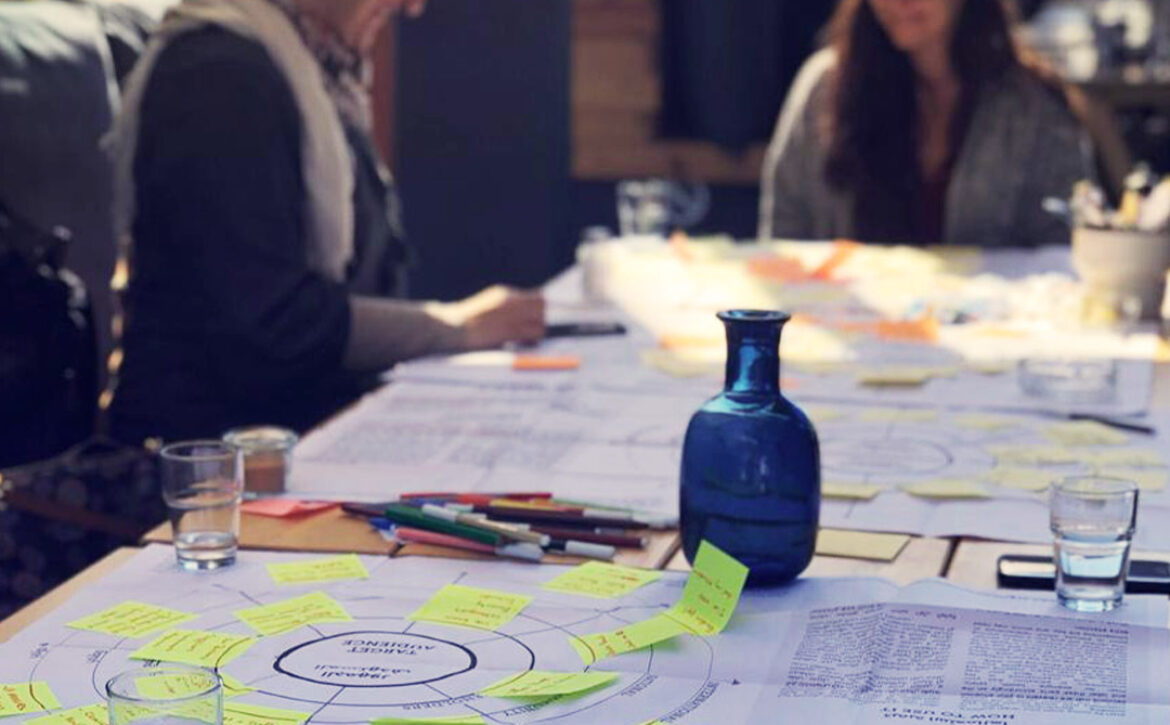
1038 572
585 329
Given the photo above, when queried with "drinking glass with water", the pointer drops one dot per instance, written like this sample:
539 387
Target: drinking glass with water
167 695
202 485
1093 520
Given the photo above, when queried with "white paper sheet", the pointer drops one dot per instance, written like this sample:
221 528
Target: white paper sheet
848 650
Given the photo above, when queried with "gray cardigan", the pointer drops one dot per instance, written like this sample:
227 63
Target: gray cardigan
1023 145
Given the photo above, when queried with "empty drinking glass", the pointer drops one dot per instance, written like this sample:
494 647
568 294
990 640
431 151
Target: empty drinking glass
167 695
202 485
1093 520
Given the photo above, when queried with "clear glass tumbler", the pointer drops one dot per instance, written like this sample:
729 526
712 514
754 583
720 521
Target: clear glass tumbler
168 695
1093 520
202 485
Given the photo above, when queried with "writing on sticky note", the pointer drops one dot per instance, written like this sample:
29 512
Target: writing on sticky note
1085 433
602 580
711 593
471 607
237 713
333 568
629 638
132 619
193 647
285 507
1023 479
860 544
98 714
537 683
850 491
21 698
1147 479
169 686
456 720
946 488
291 614
538 363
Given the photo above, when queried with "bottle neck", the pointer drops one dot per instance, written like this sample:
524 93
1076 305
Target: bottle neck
753 360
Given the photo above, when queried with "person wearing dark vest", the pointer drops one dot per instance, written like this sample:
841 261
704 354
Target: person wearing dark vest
260 233
922 122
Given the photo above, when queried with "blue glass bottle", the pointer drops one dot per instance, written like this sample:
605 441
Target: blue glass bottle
751 473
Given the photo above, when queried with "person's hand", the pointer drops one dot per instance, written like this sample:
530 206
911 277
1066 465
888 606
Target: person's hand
500 315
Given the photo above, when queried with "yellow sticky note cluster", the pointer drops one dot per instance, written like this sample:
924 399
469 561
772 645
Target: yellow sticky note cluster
860 544
456 720
471 607
535 683
132 619
98 714
22 698
708 601
272 619
333 568
602 580
193 647
850 491
237 713
1085 433
946 488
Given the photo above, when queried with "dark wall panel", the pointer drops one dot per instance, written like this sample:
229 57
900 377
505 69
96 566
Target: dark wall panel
482 154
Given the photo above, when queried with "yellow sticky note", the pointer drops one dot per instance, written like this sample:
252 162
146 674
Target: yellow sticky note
851 491
990 367
984 422
1035 455
898 415
456 720
98 714
333 568
132 619
471 607
233 687
165 687
290 614
593 647
1085 433
535 683
944 488
712 592
21 698
601 580
237 713
1124 457
1147 479
822 413
192 647
900 377
860 544
1024 479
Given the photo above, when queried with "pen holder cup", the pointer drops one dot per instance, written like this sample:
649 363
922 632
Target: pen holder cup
1127 263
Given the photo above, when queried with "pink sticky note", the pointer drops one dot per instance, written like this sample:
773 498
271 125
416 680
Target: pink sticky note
285 507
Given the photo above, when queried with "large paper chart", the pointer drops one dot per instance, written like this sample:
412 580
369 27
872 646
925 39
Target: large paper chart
797 652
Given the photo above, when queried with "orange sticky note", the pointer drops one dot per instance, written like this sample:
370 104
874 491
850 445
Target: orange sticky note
922 330
546 362
283 507
778 269
842 250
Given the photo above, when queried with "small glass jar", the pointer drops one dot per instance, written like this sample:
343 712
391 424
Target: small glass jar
267 456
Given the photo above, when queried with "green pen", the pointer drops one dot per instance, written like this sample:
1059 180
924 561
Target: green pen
411 516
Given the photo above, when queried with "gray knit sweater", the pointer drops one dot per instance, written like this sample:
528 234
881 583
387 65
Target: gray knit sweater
1023 145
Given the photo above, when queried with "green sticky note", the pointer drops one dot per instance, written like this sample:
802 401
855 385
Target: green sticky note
456 720
291 614
471 607
333 568
601 580
236 713
132 619
1085 433
593 647
233 687
712 592
535 683
98 714
192 647
21 698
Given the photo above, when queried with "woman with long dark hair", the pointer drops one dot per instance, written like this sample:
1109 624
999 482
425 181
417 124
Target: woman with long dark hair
922 123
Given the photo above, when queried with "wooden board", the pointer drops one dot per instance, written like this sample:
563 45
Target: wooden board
63 593
331 531
921 559
974 562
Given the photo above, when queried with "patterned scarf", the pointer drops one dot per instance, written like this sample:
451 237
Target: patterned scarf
347 74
